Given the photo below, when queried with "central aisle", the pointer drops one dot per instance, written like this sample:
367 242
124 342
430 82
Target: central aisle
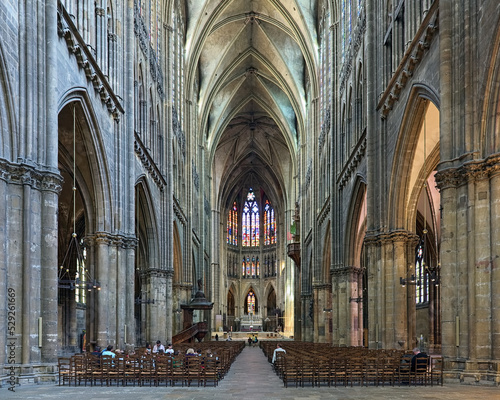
251 374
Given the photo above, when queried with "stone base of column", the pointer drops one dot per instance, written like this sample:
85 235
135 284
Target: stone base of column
472 372
35 374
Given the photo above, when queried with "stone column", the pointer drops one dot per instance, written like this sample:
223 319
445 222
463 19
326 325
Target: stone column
102 297
130 339
495 263
449 272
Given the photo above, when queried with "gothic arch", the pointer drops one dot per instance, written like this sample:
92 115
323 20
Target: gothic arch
93 166
8 128
327 256
356 224
178 268
408 162
490 128
146 225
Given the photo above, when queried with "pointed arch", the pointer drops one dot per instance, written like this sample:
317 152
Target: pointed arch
94 171
408 163
356 225
490 129
178 268
8 128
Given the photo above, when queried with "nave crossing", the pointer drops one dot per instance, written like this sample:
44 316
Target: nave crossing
251 376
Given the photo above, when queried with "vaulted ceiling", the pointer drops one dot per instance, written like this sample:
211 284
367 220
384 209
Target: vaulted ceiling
253 59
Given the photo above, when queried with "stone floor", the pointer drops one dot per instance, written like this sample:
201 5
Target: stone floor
251 377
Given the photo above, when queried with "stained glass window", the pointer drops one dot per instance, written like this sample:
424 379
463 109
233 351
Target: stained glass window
243 267
232 226
269 224
251 302
250 221
248 267
258 267
422 286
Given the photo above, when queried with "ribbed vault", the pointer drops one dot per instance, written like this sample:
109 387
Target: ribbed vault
253 61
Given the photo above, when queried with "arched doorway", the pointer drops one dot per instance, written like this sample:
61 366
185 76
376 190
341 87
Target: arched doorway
270 322
76 279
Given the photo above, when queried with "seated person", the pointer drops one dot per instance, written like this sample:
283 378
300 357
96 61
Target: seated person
158 347
169 349
108 352
276 350
416 355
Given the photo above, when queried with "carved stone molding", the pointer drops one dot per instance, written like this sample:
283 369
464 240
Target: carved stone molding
179 213
471 171
121 241
100 12
148 163
86 61
412 57
325 212
343 270
24 174
322 286
352 164
377 239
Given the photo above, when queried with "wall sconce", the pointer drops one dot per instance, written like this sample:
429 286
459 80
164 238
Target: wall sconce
140 300
327 310
355 299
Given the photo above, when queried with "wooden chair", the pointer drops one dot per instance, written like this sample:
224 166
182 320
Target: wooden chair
419 375
355 370
371 370
388 369
338 373
404 369
309 371
193 369
436 370
163 370
323 371
78 370
64 370
210 372
292 368
178 370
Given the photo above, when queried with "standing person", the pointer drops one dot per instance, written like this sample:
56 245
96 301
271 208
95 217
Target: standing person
158 347
249 340
277 350
169 349
216 337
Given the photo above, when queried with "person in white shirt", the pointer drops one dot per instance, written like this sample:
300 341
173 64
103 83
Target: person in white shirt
276 350
169 349
108 352
158 347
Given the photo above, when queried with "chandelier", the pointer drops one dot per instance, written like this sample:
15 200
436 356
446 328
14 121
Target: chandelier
78 277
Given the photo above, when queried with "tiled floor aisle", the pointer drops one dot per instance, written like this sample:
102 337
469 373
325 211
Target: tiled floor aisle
251 378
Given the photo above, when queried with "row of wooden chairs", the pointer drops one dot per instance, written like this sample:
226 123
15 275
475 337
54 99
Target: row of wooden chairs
147 369
324 365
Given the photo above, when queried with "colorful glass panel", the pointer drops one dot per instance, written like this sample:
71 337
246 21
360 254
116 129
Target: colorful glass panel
250 303
250 221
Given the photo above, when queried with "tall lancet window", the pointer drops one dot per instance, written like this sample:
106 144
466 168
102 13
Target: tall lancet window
251 303
422 287
232 225
250 221
269 224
